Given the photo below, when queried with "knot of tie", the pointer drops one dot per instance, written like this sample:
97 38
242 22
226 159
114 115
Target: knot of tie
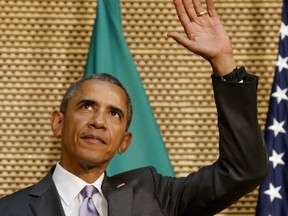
88 191
88 208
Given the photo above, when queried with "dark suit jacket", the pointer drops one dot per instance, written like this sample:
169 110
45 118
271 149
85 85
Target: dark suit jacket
241 166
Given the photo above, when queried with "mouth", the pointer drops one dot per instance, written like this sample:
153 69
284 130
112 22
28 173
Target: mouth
94 139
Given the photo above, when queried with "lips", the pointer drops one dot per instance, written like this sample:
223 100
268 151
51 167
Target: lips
93 138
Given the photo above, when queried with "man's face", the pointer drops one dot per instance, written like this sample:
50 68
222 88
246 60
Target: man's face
93 127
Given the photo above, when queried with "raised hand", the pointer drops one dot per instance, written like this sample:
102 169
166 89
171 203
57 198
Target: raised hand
206 36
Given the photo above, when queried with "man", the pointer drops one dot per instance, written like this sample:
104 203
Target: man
93 125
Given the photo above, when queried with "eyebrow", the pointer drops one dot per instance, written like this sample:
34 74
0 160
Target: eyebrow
86 101
93 102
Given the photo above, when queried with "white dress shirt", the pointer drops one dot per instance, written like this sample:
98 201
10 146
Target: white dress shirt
69 187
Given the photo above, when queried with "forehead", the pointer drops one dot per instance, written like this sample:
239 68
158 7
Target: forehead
102 90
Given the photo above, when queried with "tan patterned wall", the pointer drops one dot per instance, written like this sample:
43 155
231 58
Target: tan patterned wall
43 46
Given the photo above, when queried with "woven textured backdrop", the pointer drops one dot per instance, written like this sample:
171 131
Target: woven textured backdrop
43 48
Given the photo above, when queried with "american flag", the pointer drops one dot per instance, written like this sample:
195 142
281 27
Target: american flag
273 193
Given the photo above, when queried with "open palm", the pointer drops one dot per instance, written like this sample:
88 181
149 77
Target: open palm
205 34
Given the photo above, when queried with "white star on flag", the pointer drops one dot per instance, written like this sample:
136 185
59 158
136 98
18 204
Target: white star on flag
282 63
277 127
280 94
273 192
276 159
283 30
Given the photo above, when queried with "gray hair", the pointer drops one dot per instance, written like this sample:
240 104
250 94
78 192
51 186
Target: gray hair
72 90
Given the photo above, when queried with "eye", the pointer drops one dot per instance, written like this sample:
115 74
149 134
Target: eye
115 114
87 106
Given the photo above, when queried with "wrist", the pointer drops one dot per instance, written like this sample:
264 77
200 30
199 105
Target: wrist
237 75
223 65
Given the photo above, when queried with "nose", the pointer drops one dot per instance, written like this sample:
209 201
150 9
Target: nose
98 120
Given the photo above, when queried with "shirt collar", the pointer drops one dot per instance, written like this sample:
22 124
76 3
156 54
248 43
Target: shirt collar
69 185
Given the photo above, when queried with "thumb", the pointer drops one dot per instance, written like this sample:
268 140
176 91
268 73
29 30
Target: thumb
184 41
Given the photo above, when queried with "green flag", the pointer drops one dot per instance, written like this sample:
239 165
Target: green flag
109 53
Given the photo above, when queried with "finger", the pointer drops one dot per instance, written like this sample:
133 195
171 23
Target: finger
198 7
211 8
190 10
181 12
184 41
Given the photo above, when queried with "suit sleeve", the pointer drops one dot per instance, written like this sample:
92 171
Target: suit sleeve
242 162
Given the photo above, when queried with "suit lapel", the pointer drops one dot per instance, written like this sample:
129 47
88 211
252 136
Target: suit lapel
46 201
119 197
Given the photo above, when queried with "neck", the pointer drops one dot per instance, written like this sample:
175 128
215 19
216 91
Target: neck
89 174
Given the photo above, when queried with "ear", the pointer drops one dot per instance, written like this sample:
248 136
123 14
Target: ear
125 143
56 121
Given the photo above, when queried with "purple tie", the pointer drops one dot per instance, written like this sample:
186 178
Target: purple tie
87 207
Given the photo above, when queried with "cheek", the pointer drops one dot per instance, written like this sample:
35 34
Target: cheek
116 137
114 120
72 126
